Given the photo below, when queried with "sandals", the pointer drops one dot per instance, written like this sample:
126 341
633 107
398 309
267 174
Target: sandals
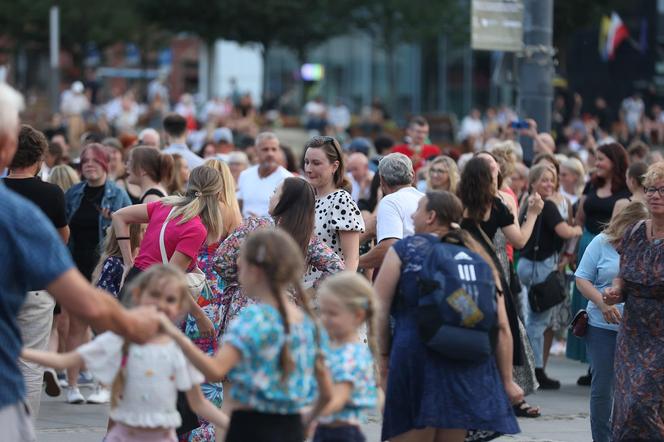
523 409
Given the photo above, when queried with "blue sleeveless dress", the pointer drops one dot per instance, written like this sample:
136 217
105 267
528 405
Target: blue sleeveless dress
425 389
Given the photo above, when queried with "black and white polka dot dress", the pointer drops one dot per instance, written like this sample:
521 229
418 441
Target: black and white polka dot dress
336 212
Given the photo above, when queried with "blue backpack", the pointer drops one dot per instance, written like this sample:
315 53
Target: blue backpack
456 312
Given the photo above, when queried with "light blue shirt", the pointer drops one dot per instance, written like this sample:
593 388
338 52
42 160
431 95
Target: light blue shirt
191 158
600 264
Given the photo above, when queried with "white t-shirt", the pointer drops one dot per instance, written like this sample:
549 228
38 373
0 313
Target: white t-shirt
394 210
255 192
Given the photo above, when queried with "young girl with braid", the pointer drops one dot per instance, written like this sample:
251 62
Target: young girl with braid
272 350
144 378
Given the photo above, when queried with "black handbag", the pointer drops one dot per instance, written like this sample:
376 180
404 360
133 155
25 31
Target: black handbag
550 292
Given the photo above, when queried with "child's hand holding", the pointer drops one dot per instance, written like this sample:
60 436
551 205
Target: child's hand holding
145 324
167 326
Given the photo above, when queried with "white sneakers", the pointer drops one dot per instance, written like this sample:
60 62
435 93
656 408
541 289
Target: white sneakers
74 396
100 396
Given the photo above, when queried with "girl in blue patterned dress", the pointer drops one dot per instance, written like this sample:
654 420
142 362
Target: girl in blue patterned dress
271 350
346 303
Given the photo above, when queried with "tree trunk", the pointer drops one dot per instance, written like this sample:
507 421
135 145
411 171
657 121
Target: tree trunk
266 79
210 46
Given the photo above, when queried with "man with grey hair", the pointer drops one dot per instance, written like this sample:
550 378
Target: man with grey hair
393 218
149 137
26 233
257 183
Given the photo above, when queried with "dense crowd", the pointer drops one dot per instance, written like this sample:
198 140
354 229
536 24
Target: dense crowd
233 291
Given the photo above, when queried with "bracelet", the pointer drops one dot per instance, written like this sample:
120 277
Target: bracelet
120 238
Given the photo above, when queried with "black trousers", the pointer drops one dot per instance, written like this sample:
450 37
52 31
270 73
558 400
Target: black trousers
253 426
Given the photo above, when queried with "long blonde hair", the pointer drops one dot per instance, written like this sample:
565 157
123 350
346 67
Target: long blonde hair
154 276
200 199
627 217
452 172
176 185
356 294
63 176
230 209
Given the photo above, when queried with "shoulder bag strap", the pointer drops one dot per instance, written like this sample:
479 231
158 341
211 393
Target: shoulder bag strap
536 246
485 237
162 246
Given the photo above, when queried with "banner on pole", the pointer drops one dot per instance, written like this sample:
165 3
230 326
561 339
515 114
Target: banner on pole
497 25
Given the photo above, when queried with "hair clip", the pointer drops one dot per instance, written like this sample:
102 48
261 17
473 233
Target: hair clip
198 194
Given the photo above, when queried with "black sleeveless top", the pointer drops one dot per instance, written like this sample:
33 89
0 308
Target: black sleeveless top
152 191
598 210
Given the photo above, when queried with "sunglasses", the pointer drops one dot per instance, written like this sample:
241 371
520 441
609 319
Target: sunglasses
320 141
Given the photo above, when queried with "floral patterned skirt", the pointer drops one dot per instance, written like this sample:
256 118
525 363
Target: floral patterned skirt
210 303
638 409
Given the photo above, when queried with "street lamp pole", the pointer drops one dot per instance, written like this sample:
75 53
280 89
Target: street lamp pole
536 67
54 45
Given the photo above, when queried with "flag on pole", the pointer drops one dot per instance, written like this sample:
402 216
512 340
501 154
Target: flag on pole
616 35
604 26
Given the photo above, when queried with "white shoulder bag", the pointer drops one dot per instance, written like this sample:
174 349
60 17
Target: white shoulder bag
196 279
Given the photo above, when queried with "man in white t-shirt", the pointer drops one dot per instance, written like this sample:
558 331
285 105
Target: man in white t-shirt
257 183
393 218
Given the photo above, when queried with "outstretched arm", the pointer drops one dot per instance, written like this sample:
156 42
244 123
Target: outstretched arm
213 368
205 409
58 361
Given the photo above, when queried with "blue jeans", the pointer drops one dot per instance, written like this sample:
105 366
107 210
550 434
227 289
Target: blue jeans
601 347
530 273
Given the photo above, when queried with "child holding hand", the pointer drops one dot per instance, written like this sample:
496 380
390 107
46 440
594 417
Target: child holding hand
145 378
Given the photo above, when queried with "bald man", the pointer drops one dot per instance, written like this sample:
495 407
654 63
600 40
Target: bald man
360 176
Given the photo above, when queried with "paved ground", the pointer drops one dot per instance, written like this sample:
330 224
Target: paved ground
565 415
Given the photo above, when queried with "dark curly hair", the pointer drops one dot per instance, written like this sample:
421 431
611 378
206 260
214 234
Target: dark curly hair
476 188
32 145
618 157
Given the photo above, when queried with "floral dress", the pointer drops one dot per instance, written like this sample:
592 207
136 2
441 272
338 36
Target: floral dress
639 361
110 277
319 257
210 302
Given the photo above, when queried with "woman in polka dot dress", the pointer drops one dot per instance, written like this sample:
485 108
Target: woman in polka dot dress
338 219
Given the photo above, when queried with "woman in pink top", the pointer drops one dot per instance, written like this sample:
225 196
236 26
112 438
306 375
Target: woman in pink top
193 218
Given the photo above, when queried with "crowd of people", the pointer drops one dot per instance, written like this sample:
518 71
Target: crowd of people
234 292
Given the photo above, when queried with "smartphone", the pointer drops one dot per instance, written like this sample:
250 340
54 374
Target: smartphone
520 124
